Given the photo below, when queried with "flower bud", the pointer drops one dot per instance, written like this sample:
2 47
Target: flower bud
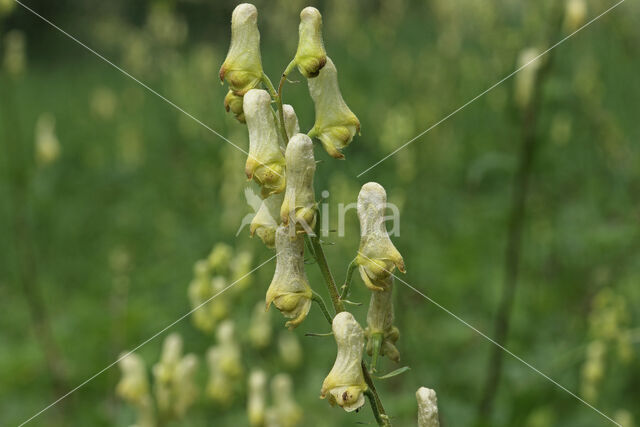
380 327
134 384
257 398
267 219
265 163
243 67
299 202
233 103
427 408
310 56
290 121
377 256
335 124
345 383
286 412
289 290
574 15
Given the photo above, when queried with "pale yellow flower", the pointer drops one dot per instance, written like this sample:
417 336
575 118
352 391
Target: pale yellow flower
266 163
256 402
299 205
310 56
345 383
427 408
289 290
380 323
377 256
335 124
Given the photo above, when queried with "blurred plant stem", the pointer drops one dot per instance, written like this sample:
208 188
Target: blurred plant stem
18 173
517 214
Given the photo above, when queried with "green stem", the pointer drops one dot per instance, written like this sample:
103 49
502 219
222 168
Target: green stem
323 307
348 280
376 405
270 87
283 79
321 260
376 342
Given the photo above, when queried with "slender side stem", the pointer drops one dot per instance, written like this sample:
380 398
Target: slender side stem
270 87
376 403
283 79
323 307
376 342
348 280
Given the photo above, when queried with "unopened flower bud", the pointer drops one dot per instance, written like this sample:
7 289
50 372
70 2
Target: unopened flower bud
380 330
289 290
233 103
377 256
257 398
427 408
267 219
310 56
299 203
290 120
243 66
345 383
265 164
335 123
287 412
574 15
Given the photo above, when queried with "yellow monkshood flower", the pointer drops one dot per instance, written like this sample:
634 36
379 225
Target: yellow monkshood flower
427 408
377 256
335 124
265 164
289 290
242 67
285 412
310 56
267 219
185 387
299 203
380 323
345 383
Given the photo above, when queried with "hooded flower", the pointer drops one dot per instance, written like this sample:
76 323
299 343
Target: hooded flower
377 257
267 219
285 412
290 120
310 56
257 398
260 330
427 408
299 202
335 123
243 66
265 163
289 290
134 385
345 383
185 388
529 64
380 327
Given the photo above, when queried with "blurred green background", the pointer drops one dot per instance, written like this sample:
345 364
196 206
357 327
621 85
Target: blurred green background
108 196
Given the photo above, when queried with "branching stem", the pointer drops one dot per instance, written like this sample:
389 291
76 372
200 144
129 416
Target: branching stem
348 280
